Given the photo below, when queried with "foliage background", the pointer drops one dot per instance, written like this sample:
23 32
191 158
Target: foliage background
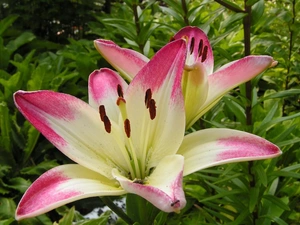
47 44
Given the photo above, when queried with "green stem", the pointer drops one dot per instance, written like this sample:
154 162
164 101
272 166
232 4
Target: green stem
287 79
107 201
185 10
247 46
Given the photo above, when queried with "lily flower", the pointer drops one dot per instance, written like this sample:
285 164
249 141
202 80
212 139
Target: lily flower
128 139
202 88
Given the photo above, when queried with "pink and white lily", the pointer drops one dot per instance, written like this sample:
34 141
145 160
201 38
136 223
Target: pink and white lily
202 88
128 139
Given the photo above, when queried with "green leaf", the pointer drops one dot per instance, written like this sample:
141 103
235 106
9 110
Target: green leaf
40 168
260 171
102 220
237 7
68 217
282 94
7 221
8 208
19 183
236 109
24 38
273 122
5 140
251 2
140 210
32 138
6 22
257 10
277 201
231 19
253 198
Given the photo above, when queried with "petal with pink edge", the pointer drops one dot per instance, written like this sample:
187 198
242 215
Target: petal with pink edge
163 188
75 128
155 105
62 185
126 61
105 86
217 146
231 75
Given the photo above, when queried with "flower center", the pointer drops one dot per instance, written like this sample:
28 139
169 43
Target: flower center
136 165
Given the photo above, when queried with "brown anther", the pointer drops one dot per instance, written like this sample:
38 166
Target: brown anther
107 124
120 91
127 127
152 109
192 45
174 203
148 97
119 100
200 48
102 112
204 55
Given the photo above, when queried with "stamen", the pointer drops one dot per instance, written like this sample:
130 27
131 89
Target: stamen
204 56
107 124
152 109
192 45
120 91
148 97
102 112
120 100
200 48
127 127
174 203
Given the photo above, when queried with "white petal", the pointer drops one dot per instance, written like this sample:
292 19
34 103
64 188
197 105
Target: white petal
75 128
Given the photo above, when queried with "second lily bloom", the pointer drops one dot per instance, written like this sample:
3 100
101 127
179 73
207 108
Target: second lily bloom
202 88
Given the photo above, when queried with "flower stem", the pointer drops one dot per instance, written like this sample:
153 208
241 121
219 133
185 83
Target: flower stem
107 201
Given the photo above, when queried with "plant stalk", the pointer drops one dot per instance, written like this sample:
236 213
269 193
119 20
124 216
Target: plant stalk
107 201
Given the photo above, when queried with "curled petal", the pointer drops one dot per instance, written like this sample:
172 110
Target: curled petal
62 185
126 61
105 86
198 48
163 188
217 146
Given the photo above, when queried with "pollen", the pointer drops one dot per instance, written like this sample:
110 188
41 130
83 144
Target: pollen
152 109
200 48
102 112
148 97
204 55
192 45
107 124
104 118
150 104
127 127
120 91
